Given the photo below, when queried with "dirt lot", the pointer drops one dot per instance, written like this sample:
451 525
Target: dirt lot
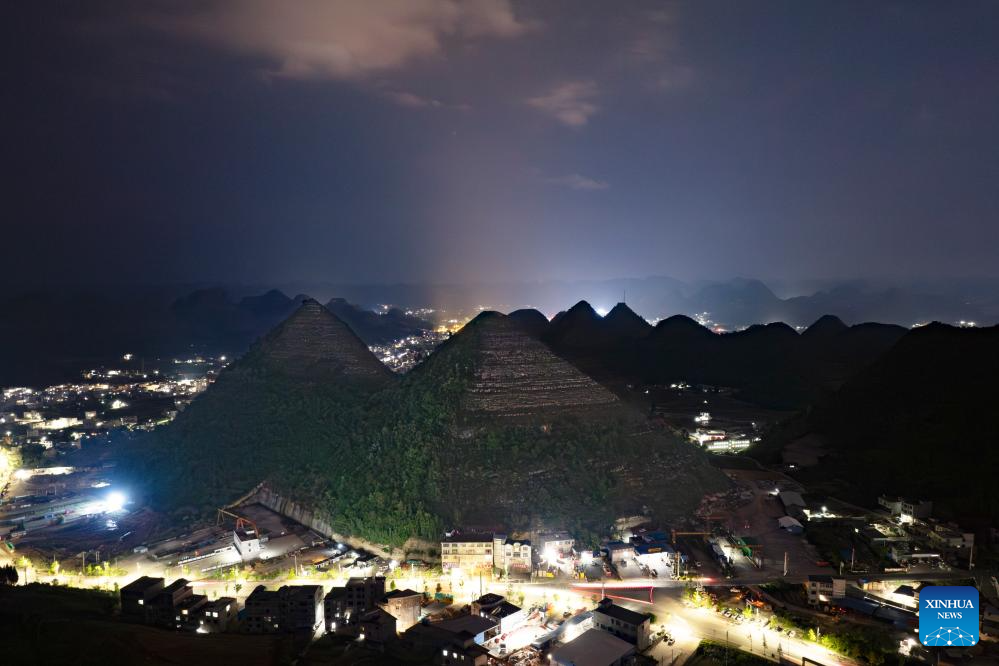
758 519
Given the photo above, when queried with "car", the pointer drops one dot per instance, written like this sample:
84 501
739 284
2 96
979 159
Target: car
670 641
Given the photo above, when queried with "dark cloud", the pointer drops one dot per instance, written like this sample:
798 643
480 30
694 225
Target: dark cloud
450 140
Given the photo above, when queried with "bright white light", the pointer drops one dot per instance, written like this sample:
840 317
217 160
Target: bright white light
22 474
602 312
114 502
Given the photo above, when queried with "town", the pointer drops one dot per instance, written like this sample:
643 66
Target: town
766 567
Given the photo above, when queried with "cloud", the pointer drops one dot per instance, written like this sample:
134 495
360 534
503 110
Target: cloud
571 103
575 181
413 101
339 39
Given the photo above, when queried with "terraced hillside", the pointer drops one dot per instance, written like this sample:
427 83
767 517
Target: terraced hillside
517 376
493 429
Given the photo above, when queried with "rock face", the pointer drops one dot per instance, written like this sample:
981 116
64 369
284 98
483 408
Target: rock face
314 343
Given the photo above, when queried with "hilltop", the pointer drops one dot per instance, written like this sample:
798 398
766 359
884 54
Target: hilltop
769 364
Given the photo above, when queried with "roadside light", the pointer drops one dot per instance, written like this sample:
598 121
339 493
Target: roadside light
115 501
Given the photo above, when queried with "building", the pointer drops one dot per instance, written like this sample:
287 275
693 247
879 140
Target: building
593 648
247 543
343 605
163 606
468 552
792 502
450 648
480 629
262 611
484 552
302 608
618 551
498 608
187 612
136 597
906 511
790 524
555 545
377 627
404 606
824 589
289 609
511 555
217 616
625 624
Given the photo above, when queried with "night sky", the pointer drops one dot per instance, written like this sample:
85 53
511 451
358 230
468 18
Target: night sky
435 140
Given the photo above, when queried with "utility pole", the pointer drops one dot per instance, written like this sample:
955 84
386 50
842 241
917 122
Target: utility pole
853 557
971 557
785 562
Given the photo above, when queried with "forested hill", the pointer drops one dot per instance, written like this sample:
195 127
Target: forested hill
920 422
430 450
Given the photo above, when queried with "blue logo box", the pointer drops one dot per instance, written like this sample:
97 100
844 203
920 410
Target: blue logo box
948 616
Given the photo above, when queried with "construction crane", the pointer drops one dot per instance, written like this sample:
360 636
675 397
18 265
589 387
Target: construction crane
241 522
674 534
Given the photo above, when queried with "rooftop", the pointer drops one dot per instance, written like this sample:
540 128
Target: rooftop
610 609
473 624
593 647
141 584
468 538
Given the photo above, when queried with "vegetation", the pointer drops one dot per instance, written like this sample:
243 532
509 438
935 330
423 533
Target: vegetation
405 460
709 653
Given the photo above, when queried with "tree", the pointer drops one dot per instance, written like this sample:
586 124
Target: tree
8 575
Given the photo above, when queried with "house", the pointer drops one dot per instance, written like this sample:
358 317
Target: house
162 607
291 608
906 511
449 648
510 554
481 629
497 607
625 624
593 647
342 605
555 545
302 607
377 627
187 612
823 589
217 616
469 552
137 595
477 552
262 611
404 606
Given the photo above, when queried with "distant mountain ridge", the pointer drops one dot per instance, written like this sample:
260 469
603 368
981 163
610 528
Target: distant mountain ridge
770 364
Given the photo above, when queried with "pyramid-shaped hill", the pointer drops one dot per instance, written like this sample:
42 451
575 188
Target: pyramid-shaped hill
623 322
530 321
531 437
507 373
578 327
825 327
313 344
291 403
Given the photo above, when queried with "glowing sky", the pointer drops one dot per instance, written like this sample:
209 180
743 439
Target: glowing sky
438 140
